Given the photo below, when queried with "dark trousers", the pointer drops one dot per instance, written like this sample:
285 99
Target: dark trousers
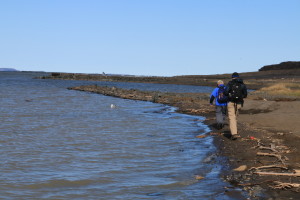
221 115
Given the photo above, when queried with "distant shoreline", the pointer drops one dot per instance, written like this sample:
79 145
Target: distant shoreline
8 70
254 80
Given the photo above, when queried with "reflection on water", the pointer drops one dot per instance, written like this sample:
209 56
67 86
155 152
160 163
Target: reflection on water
61 144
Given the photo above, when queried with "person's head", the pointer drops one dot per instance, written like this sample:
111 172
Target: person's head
220 82
235 75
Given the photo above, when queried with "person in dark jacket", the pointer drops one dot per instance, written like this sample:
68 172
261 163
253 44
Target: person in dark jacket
236 91
221 108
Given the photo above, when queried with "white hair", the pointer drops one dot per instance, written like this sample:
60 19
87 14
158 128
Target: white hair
220 82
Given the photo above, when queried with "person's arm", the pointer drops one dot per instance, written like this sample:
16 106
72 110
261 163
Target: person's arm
245 93
212 98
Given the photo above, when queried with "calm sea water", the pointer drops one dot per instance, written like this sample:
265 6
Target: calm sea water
61 144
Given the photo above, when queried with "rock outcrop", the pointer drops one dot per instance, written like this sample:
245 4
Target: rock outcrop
281 66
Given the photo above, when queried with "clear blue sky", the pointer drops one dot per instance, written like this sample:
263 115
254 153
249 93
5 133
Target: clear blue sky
148 37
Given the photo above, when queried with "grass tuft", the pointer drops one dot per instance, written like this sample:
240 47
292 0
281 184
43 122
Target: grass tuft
280 91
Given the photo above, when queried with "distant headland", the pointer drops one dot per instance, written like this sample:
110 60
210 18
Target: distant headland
8 70
281 66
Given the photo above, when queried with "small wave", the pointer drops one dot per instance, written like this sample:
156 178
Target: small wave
62 183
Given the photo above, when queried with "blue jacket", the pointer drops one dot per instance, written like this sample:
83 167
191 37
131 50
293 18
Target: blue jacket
214 95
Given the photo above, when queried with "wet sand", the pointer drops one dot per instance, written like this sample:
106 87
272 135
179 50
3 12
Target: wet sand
269 130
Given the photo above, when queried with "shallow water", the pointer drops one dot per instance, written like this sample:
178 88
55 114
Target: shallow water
63 144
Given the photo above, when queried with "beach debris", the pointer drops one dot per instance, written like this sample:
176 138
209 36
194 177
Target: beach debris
288 151
201 136
198 177
279 157
282 147
269 167
268 148
285 186
273 146
241 168
215 133
295 174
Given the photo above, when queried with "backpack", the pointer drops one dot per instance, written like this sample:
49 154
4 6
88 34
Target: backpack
236 92
222 98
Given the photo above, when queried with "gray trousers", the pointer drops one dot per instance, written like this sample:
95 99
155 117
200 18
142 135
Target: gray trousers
221 114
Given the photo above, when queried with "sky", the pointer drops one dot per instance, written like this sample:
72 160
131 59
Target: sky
148 37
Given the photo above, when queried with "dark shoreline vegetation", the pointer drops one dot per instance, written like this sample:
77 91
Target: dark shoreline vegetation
259 149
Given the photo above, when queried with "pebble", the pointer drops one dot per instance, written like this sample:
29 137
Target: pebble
198 177
241 168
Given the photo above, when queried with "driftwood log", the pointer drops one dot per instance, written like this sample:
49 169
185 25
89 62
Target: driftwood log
295 174
269 167
285 186
279 157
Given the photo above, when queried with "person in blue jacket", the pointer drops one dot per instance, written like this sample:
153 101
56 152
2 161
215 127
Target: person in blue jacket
221 108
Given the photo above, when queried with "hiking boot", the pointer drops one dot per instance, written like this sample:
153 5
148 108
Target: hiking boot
220 126
234 137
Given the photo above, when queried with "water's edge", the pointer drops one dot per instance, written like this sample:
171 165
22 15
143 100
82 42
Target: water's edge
233 191
61 144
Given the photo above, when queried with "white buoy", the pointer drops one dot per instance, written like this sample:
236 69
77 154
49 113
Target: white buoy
112 106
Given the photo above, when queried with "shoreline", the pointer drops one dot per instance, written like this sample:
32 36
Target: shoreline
256 148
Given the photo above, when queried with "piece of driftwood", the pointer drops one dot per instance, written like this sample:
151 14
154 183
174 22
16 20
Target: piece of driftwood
279 157
198 177
201 136
241 168
268 148
269 167
268 154
296 174
284 186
